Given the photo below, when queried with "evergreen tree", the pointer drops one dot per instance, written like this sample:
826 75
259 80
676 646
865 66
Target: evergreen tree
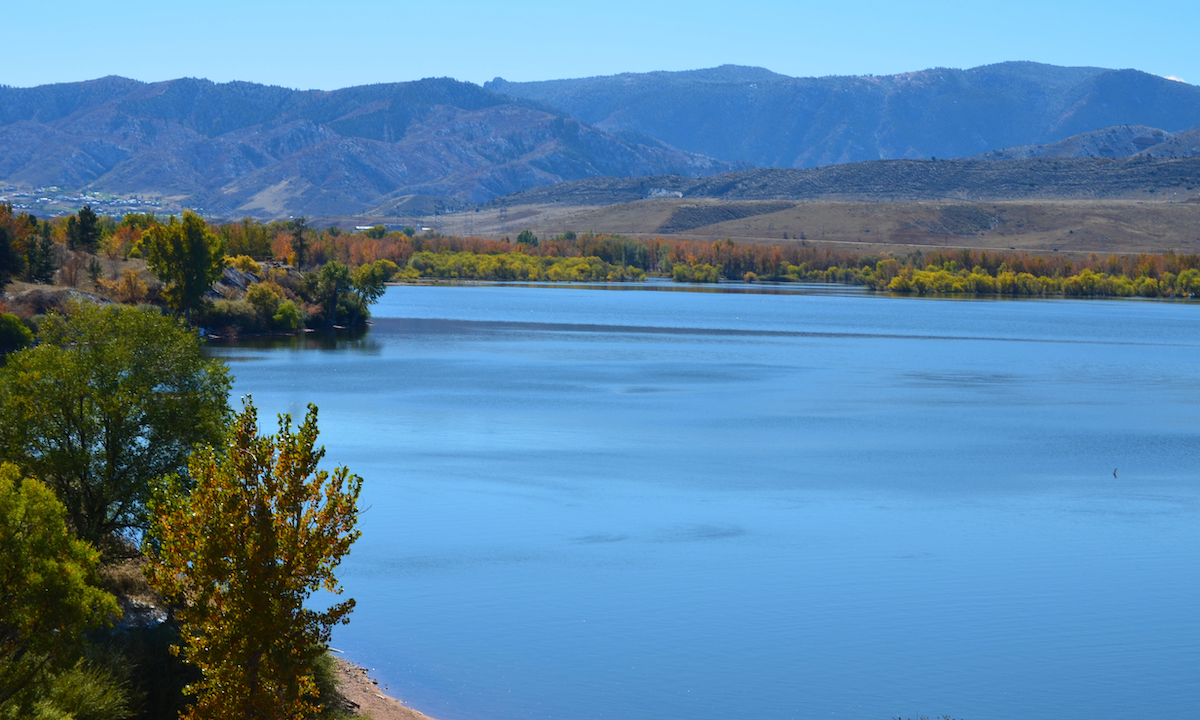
299 243
83 230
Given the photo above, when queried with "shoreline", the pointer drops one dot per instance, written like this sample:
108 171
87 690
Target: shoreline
366 697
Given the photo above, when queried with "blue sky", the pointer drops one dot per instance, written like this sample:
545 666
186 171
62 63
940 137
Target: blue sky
305 44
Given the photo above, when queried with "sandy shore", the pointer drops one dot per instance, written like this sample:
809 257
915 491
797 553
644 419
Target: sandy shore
368 698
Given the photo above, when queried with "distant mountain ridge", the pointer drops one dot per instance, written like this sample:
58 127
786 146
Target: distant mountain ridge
753 115
1112 142
243 148
439 145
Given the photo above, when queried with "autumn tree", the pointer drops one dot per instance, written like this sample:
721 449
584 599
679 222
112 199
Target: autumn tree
13 231
26 247
48 598
111 400
187 257
260 532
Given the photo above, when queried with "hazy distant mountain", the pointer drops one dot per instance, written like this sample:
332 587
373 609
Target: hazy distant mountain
243 148
1120 141
756 116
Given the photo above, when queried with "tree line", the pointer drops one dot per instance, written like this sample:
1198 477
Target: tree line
297 276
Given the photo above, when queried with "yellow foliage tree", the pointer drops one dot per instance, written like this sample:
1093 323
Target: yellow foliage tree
261 531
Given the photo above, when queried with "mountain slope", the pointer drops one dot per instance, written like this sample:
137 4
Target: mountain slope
753 115
242 148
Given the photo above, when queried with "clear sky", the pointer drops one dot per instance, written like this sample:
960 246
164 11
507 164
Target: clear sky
326 45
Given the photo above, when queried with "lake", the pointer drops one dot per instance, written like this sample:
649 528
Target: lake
639 502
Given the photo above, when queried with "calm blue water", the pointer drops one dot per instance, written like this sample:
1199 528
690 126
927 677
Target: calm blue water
589 503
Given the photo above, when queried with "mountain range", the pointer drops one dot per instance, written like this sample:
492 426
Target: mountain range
438 144
248 149
756 116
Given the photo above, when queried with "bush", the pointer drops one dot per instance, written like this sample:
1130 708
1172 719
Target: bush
83 692
153 676
265 297
129 289
287 316
232 316
14 334
329 699
245 263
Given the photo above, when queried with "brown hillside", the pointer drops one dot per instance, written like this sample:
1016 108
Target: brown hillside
1035 225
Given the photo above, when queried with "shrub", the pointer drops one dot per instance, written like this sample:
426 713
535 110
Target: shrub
129 289
287 316
230 316
265 297
245 263
14 334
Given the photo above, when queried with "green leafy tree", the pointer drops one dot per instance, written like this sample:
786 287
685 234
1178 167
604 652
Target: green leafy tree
526 237
48 598
139 221
187 257
111 400
369 283
260 532
83 230
328 288
287 316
